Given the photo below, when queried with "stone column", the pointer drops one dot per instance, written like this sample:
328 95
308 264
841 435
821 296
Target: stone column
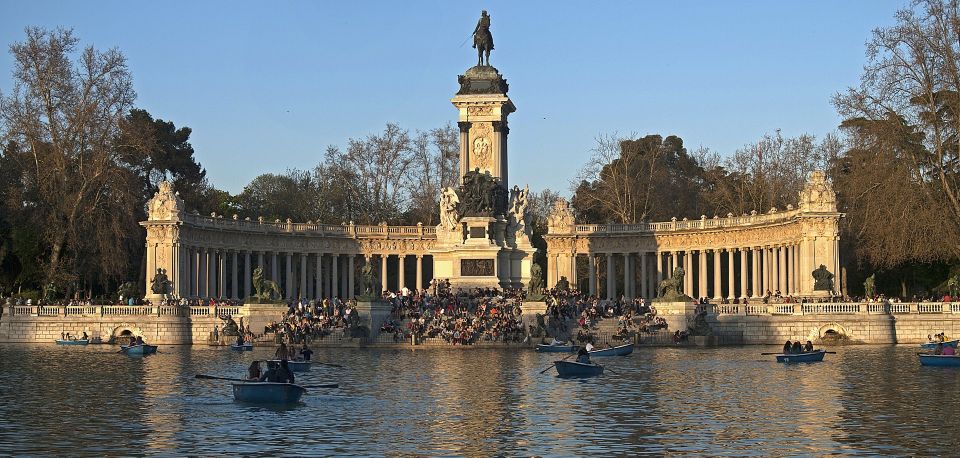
288 281
743 272
275 267
383 272
755 275
464 149
767 269
717 275
151 257
211 273
836 265
688 273
303 275
627 280
611 283
674 262
592 273
334 275
794 256
401 271
644 276
234 286
731 293
246 274
658 267
573 261
419 271
702 274
351 280
783 268
318 276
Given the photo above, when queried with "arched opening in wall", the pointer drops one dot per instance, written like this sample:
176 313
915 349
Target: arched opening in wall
832 334
125 337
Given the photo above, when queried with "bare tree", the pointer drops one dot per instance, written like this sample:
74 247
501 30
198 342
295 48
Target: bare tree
909 98
435 166
64 112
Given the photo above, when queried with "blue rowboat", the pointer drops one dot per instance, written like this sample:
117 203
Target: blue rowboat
72 342
138 350
620 350
245 347
295 366
807 357
575 369
940 360
268 392
557 348
933 345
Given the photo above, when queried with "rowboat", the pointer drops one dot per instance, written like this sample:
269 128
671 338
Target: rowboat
575 369
143 349
806 357
557 348
933 345
940 360
619 350
295 366
268 392
72 342
244 347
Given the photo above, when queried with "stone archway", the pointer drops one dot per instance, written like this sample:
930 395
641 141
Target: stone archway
833 332
123 332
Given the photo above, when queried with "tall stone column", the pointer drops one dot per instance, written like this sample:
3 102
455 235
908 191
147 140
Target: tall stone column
755 275
644 276
702 274
731 273
688 273
199 274
626 276
303 275
151 257
401 271
836 265
246 274
592 273
383 272
573 270
318 276
611 282
743 272
419 272
335 275
464 147
351 274
782 249
211 272
288 274
234 286
275 267
674 262
658 267
795 258
717 275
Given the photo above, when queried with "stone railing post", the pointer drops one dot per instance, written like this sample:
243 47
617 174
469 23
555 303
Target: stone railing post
914 307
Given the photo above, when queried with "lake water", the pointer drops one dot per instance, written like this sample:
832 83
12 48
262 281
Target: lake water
480 402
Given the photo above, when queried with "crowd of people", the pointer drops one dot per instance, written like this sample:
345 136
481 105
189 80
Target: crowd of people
307 321
564 305
460 318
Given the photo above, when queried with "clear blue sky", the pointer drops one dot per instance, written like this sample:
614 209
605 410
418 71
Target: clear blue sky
266 86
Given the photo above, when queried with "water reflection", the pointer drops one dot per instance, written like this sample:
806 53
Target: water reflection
731 401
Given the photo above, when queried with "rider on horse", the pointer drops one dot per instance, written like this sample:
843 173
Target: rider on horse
482 39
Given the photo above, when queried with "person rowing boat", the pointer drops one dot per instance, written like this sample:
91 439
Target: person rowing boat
278 374
583 356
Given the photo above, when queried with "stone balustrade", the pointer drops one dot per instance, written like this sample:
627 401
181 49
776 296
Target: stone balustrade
124 310
684 225
837 308
315 229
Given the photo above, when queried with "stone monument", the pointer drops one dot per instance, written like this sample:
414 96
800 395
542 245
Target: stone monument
483 239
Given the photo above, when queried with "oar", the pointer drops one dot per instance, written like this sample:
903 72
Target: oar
214 377
554 364
611 370
325 385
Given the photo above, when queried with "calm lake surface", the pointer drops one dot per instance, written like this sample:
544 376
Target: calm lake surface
478 402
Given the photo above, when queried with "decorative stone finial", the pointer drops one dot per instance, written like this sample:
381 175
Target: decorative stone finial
165 205
561 218
818 194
